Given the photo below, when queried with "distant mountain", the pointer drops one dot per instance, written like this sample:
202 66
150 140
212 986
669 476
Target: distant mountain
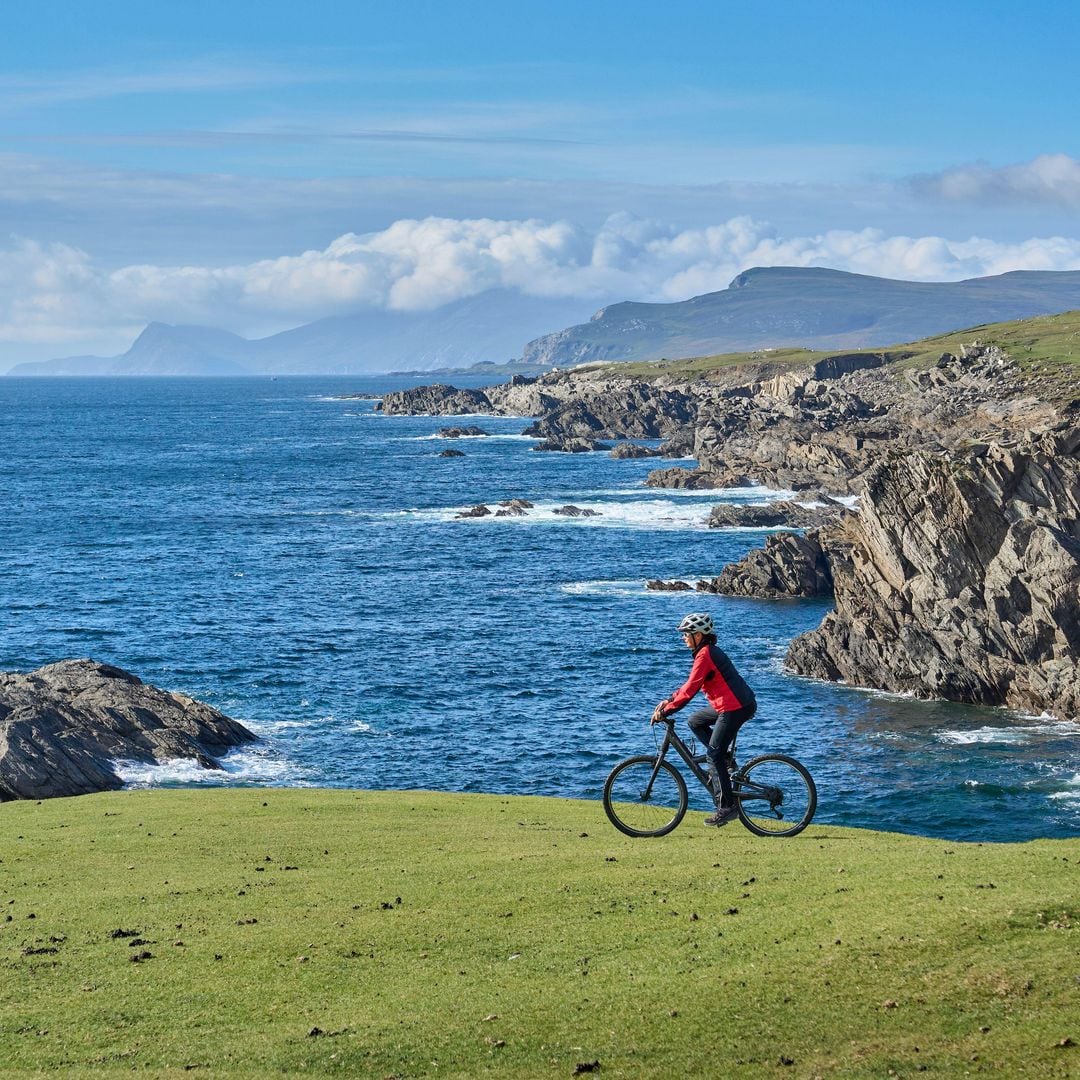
491 326
809 307
762 308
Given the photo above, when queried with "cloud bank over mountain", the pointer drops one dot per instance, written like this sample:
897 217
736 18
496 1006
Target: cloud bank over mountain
58 293
1052 179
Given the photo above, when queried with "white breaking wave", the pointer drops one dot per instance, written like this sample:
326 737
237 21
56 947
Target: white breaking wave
448 418
249 765
660 514
1005 735
753 496
1071 794
613 588
494 436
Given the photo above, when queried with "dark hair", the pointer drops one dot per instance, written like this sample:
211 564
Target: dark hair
710 639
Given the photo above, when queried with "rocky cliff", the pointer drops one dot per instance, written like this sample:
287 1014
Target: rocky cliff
963 579
64 726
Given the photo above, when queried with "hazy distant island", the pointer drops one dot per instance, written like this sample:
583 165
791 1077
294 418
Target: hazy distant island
769 307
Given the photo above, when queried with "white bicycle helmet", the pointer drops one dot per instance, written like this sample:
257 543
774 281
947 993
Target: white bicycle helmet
697 622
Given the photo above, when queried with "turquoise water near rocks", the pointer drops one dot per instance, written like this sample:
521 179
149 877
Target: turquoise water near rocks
294 559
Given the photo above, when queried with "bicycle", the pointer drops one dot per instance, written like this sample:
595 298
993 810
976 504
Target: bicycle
646 796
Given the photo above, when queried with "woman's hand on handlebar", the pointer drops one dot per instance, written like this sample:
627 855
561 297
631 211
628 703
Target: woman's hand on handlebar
659 714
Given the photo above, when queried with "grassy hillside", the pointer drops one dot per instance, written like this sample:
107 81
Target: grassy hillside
253 932
1048 345
809 306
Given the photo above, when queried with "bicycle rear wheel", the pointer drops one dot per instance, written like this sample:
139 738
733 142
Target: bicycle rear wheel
776 795
643 797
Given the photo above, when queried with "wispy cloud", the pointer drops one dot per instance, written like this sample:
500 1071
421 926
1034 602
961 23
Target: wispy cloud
308 137
199 75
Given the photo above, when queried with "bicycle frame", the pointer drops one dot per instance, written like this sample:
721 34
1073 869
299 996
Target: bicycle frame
742 788
671 739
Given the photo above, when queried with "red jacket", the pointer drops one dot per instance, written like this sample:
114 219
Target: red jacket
713 672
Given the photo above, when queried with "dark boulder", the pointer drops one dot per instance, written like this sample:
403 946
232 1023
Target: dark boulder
576 511
470 432
513 508
63 727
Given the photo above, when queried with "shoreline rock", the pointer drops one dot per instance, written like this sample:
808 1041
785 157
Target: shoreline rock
699 479
469 432
788 566
63 726
571 445
786 513
963 580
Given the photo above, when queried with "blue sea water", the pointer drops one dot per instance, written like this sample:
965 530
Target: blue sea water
293 557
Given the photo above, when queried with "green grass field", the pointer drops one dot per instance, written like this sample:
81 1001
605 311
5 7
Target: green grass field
256 932
1047 345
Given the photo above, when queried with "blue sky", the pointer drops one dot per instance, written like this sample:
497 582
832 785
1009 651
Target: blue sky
199 161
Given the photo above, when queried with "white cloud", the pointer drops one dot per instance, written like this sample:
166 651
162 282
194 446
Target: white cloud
1049 178
58 293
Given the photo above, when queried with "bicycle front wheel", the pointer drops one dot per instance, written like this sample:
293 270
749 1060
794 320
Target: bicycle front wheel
776 795
645 797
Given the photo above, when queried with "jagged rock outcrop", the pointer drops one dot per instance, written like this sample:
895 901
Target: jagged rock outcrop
659 585
513 508
788 565
451 453
576 511
963 580
63 726
617 408
628 450
696 479
438 399
572 444
786 513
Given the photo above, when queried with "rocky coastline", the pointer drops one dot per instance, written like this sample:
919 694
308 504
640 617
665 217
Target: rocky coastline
959 575
63 727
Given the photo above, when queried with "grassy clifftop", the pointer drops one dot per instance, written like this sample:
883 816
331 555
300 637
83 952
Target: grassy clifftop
420 934
1048 345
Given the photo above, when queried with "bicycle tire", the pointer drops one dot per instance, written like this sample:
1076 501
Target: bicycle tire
796 790
630 811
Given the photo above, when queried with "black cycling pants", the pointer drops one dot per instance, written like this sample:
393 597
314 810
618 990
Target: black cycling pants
717 731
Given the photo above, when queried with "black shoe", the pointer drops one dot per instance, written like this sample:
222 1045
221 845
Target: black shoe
723 815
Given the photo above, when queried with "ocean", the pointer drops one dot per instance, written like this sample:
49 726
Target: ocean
294 558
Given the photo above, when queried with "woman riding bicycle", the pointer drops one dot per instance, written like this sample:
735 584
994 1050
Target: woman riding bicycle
732 702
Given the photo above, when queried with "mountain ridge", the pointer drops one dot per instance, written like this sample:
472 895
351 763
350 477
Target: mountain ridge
489 326
809 307
763 307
